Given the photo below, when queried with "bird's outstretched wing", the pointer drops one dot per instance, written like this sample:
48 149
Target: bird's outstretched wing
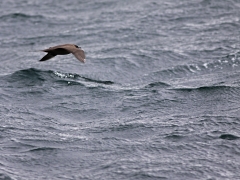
76 51
47 57
80 55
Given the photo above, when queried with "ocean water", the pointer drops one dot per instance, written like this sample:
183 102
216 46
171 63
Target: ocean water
158 96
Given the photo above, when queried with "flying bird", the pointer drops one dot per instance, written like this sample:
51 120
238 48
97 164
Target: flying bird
63 50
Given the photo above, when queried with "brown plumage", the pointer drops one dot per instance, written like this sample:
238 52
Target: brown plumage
63 50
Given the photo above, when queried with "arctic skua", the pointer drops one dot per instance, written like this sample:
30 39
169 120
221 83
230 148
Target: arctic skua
64 50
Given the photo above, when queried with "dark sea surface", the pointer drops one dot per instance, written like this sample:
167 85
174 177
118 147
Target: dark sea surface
158 96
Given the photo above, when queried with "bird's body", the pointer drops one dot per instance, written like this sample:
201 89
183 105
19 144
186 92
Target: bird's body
64 50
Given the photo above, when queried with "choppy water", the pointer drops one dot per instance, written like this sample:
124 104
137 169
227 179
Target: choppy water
158 97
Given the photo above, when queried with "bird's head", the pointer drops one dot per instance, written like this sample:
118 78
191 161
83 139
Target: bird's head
77 46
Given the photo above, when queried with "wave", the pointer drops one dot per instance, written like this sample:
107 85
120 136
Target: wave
225 64
157 84
203 76
5 177
19 17
26 77
228 137
42 149
204 88
76 76
37 77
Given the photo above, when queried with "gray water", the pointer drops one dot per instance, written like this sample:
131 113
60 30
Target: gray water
158 96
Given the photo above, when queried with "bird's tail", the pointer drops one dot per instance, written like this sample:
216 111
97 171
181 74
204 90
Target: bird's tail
47 57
